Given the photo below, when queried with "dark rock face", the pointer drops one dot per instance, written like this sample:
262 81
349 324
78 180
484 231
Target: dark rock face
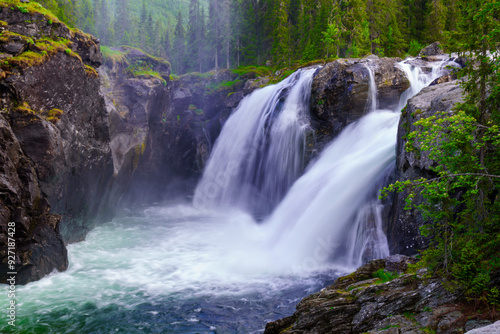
54 124
162 132
433 49
73 158
39 246
340 92
206 103
403 228
360 303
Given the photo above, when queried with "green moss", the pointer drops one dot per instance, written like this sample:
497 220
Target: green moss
199 75
385 276
54 115
31 8
91 72
224 85
46 47
142 72
3 23
260 71
25 59
113 56
24 108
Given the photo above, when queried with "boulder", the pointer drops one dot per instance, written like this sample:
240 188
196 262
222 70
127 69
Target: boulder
340 92
433 49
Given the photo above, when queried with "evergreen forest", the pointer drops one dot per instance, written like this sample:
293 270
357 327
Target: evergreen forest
201 35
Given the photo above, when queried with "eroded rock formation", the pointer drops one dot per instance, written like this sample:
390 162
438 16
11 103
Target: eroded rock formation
57 157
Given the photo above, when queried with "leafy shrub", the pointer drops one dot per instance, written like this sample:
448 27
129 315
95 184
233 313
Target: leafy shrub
385 276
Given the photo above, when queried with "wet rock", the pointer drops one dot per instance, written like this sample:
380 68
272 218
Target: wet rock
475 324
357 304
433 49
448 322
398 263
14 48
403 228
39 246
340 92
57 182
443 79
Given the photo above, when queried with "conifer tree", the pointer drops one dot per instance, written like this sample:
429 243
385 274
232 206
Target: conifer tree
281 46
214 31
179 46
122 23
436 21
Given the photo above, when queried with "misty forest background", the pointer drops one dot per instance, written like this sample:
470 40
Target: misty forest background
201 35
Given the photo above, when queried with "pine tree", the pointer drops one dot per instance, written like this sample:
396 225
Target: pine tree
122 23
436 21
179 46
193 35
356 22
214 31
143 26
248 35
281 46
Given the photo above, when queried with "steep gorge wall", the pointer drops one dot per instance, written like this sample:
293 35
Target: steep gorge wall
56 160
162 130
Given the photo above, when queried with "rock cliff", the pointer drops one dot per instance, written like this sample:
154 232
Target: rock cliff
162 130
54 126
403 225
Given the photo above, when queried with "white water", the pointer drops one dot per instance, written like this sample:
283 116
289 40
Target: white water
420 79
324 202
372 105
163 270
186 270
259 153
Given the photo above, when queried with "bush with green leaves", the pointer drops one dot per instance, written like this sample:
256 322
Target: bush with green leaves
462 201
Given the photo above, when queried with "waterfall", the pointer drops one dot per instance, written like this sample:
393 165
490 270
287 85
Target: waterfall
420 79
329 214
260 151
372 105
321 206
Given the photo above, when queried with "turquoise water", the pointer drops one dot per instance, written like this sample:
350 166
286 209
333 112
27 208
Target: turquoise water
166 270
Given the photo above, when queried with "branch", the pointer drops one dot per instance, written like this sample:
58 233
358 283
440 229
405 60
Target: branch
454 175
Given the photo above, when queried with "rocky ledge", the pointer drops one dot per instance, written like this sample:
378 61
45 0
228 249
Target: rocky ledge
383 297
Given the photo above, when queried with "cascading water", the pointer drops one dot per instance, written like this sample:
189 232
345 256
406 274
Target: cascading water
372 102
183 269
260 151
333 202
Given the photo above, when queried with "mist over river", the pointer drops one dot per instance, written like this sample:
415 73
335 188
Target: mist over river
170 269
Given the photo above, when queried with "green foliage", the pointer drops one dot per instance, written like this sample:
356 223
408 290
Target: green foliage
224 85
415 48
143 69
112 56
462 201
385 276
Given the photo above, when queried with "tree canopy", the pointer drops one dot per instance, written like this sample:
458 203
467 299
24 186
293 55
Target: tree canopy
230 33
